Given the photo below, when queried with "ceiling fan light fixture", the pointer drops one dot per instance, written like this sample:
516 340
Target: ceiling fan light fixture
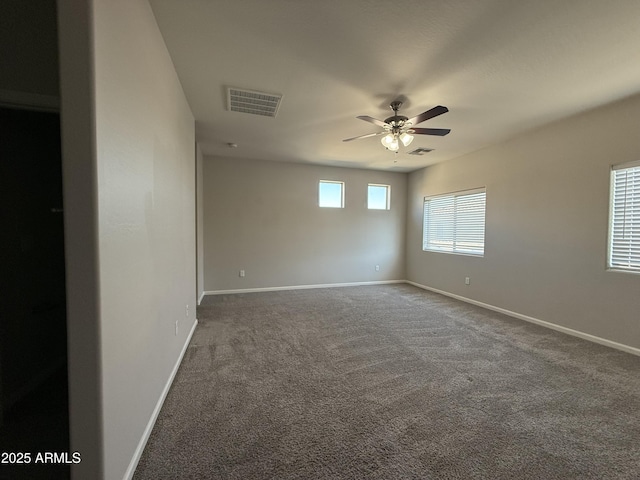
390 141
406 139
387 139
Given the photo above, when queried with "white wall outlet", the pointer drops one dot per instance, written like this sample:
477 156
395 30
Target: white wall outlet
467 280
187 311
242 273
377 268
176 327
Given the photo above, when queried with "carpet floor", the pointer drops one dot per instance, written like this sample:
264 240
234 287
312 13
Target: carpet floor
391 382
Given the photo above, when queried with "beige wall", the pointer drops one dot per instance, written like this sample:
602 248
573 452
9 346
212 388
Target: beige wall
546 225
129 160
263 217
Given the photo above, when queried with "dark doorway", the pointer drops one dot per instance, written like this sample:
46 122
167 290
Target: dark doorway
34 416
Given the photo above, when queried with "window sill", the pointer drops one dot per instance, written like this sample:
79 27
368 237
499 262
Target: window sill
463 254
622 270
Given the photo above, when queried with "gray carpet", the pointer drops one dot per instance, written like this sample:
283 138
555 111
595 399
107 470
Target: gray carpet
391 382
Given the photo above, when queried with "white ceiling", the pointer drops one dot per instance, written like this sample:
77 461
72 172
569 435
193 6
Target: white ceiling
500 66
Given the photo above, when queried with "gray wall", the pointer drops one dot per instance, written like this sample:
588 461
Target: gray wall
546 225
129 160
263 217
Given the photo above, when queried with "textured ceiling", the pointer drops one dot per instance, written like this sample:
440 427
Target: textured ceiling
500 66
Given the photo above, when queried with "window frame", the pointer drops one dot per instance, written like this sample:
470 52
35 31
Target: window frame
427 227
633 259
387 199
342 189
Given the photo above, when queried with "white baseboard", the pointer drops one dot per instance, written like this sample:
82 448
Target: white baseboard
526 318
145 437
201 297
156 411
299 287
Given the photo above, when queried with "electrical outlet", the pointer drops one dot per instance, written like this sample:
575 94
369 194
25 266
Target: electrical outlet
467 280
242 273
187 311
176 327
377 268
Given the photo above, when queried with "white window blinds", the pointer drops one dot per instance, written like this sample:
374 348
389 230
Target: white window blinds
624 232
455 222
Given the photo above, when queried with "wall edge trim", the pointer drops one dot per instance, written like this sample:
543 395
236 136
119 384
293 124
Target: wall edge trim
537 321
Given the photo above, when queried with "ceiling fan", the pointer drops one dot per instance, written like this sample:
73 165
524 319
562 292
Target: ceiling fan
399 129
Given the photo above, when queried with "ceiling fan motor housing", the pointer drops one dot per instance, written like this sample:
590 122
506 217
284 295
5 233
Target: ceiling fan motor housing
396 121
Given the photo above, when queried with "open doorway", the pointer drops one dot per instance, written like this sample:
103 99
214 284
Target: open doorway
33 350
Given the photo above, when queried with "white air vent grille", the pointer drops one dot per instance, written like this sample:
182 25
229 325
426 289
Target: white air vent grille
257 103
421 151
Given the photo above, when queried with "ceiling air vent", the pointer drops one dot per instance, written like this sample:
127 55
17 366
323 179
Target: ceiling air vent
421 151
249 101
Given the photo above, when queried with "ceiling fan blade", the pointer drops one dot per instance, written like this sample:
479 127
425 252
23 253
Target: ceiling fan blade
434 112
441 132
369 119
363 136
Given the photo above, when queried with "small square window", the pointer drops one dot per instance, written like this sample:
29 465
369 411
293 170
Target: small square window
378 197
331 194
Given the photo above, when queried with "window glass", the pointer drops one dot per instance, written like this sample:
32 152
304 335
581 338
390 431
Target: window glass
331 194
378 197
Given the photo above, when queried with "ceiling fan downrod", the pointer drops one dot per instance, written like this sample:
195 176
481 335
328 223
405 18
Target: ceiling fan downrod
396 121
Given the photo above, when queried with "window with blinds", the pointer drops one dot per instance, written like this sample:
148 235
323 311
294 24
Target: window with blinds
624 227
454 222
